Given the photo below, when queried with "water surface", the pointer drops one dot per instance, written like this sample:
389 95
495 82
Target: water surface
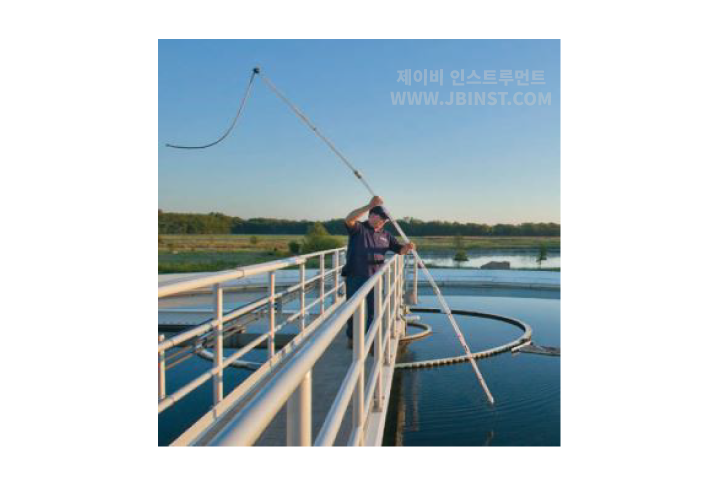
442 406
477 258
445 406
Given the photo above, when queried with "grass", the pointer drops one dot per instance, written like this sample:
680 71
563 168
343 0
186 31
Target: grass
189 262
224 242
235 242
487 242
186 262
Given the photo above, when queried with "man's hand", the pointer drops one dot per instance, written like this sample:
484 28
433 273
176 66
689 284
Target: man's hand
376 201
408 248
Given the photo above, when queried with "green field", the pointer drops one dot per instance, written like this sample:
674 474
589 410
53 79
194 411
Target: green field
487 242
182 253
279 242
179 253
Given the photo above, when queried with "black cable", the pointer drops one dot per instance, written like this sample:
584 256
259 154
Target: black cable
242 105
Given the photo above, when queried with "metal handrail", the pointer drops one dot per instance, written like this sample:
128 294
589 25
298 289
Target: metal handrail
328 432
242 272
221 318
219 278
292 379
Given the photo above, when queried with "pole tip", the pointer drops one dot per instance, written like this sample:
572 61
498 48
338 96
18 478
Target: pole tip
256 70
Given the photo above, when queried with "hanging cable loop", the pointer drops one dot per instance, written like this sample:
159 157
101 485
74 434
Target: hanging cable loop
255 71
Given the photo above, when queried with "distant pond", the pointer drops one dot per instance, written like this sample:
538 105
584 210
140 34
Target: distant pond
477 258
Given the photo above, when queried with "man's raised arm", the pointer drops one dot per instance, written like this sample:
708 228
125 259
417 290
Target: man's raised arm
355 215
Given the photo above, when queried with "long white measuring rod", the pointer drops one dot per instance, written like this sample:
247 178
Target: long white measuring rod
444 306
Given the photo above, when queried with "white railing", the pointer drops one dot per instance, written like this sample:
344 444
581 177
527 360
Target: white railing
292 384
212 330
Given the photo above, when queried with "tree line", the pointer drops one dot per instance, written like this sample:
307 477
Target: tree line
217 223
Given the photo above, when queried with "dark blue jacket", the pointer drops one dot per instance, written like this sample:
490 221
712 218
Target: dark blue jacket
366 249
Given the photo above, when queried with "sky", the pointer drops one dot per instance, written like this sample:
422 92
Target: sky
472 163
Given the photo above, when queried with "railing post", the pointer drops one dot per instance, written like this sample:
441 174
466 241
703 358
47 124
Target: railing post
322 284
405 265
386 313
415 276
302 297
378 345
217 379
400 292
299 414
343 262
161 372
271 338
358 336
393 295
336 273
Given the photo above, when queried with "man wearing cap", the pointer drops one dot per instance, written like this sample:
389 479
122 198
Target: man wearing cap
366 248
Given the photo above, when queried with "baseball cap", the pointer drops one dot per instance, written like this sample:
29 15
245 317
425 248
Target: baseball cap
378 210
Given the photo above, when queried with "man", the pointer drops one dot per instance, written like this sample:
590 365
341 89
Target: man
368 243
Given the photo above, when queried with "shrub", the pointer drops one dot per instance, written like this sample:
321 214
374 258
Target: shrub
318 244
542 254
461 256
294 247
317 239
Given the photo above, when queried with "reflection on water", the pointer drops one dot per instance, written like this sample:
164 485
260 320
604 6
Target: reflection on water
445 406
516 259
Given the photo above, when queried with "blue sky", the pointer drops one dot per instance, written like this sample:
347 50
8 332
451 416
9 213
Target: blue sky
486 164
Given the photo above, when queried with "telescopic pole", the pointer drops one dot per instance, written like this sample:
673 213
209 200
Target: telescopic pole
443 303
